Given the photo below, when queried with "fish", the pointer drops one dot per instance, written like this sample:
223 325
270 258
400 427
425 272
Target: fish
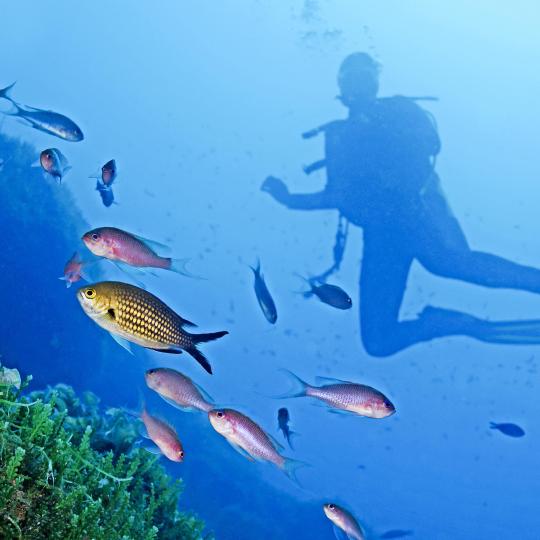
178 390
344 396
54 163
127 248
263 295
109 172
131 314
512 430
163 436
106 193
73 270
344 522
283 424
47 121
328 294
396 533
250 440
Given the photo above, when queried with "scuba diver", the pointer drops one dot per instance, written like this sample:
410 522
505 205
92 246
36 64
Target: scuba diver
380 176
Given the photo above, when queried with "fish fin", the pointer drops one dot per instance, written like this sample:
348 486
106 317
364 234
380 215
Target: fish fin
340 534
68 284
290 466
204 393
203 338
67 168
199 356
152 244
120 267
210 336
257 269
299 386
341 412
36 163
151 447
493 425
179 266
275 443
169 351
289 437
331 380
176 406
4 92
124 343
396 534
141 428
241 451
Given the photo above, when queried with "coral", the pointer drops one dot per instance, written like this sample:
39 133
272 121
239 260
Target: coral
68 473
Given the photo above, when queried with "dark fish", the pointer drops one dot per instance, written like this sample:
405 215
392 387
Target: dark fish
108 173
263 295
395 533
283 424
328 294
46 121
106 193
512 430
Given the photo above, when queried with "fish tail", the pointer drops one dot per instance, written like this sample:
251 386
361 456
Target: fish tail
298 389
493 425
290 466
289 437
4 92
203 338
179 266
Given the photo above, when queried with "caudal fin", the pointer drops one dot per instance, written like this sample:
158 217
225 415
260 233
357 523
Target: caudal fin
290 466
179 266
4 92
203 338
297 390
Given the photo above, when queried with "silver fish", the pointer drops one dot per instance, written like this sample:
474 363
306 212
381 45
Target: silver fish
47 121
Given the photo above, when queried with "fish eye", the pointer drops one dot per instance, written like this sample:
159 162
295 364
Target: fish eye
331 506
90 293
181 453
95 236
219 414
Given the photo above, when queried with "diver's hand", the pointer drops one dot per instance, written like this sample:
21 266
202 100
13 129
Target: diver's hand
276 188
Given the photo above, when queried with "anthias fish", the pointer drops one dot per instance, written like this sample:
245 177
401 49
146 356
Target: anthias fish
47 121
178 390
344 521
135 315
263 295
109 172
511 430
163 436
248 438
283 424
73 270
54 163
345 396
124 247
106 194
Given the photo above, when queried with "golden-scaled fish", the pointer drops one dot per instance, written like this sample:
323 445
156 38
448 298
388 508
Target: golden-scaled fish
129 313
250 440
344 396
343 521
178 390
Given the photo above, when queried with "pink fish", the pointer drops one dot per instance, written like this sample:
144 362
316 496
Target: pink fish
73 270
177 389
250 440
344 521
164 436
121 246
344 396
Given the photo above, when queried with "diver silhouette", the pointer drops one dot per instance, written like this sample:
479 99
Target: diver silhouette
380 175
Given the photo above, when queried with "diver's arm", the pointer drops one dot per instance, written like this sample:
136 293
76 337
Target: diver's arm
298 201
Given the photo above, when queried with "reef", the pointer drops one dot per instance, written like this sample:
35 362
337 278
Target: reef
70 471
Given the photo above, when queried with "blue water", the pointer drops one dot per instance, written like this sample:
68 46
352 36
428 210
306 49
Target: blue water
198 103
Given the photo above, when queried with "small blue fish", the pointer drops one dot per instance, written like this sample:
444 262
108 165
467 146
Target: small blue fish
328 294
47 121
283 424
106 192
512 430
263 295
395 533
